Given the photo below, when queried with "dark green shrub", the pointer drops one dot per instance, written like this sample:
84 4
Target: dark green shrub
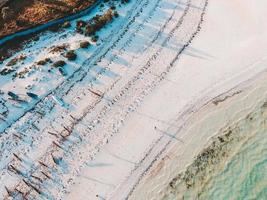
59 63
71 55
44 62
84 44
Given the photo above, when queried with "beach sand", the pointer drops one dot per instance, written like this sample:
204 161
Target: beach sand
175 122
233 163
234 43
222 154
164 81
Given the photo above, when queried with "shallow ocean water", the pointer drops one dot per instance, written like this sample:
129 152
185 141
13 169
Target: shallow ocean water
232 167
245 174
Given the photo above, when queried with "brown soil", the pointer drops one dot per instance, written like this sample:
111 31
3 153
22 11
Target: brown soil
25 14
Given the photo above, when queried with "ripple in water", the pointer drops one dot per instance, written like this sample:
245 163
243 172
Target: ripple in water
233 167
245 175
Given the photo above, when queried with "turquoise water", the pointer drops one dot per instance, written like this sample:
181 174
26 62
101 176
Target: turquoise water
233 166
244 177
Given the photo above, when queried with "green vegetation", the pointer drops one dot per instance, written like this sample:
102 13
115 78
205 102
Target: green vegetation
84 44
44 62
71 55
59 63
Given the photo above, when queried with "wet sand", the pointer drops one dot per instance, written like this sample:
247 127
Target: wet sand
216 133
233 166
223 153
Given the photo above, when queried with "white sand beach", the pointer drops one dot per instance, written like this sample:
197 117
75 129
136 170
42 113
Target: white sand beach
141 103
229 50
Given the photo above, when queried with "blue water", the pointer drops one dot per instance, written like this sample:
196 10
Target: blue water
244 177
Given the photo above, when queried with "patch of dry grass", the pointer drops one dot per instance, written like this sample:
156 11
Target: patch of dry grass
25 14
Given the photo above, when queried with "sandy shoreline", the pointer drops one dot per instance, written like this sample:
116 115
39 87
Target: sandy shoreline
136 106
216 62
168 177
224 159
237 66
